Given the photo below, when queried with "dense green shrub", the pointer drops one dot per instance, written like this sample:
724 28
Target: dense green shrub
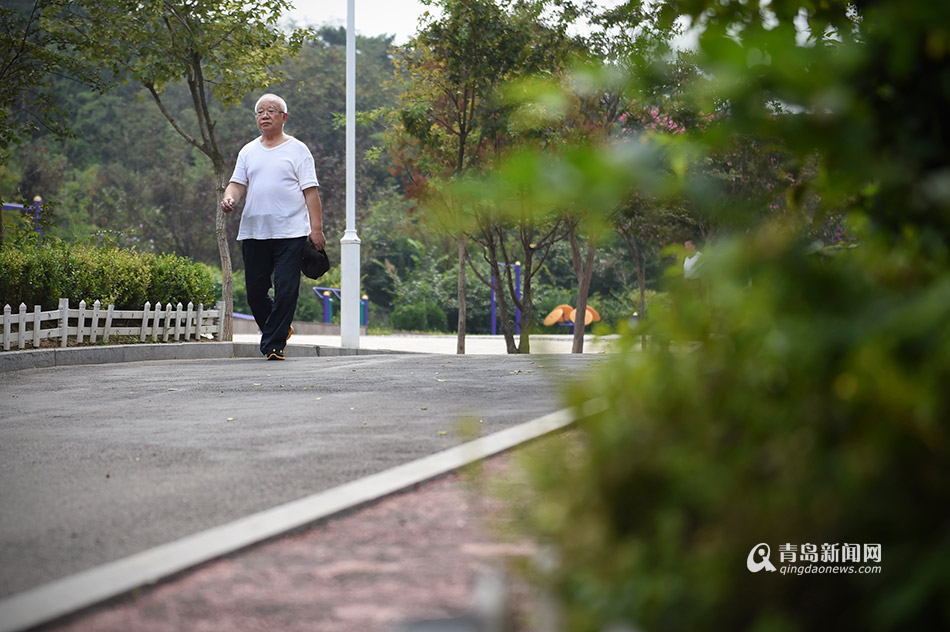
436 319
309 305
801 398
42 272
426 316
122 278
177 280
408 318
620 308
29 274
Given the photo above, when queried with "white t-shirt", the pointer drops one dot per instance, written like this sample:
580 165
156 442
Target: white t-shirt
276 178
690 265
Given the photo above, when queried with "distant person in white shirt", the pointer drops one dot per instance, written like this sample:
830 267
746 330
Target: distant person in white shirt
281 212
691 263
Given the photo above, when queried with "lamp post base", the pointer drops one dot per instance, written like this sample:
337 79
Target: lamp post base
350 286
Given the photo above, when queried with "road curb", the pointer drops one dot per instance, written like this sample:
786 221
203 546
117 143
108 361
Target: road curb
83 590
72 356
252 350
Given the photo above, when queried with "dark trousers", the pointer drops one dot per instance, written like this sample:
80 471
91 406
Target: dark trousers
279 259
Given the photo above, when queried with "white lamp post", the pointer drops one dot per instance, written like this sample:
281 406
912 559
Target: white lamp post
350 244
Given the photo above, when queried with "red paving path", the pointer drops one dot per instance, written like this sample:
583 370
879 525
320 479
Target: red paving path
414 555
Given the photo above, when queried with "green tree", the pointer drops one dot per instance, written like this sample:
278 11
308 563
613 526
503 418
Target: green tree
221 49
452 121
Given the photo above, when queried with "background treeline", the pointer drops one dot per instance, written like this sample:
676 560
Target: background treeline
127 178
126 173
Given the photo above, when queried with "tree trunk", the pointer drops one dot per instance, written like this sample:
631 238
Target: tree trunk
460 349
507 324
583 269
583 290
500 286
527 312
641 281
224 252
641 284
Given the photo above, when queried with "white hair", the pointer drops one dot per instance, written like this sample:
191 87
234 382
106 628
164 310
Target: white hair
271 97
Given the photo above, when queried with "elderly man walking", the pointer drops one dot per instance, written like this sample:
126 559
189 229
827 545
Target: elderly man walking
281 212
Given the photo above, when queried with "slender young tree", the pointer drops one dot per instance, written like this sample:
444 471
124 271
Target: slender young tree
222 50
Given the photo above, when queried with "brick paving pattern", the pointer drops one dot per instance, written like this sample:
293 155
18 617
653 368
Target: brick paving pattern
410 556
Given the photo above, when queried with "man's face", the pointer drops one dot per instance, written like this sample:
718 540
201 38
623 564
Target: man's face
269 116
690 248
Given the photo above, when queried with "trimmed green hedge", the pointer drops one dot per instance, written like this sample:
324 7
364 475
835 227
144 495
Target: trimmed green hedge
41 273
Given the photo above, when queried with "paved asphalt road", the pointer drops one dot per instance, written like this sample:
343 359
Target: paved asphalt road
102 461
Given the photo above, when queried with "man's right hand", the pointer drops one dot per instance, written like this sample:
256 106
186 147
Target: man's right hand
318 239
227 204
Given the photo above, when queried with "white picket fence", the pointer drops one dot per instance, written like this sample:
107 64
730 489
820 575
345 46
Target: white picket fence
158 323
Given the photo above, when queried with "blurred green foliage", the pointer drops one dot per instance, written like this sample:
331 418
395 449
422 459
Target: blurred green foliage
795 394
40 272
801 399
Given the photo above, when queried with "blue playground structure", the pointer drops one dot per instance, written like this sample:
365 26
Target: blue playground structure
328 293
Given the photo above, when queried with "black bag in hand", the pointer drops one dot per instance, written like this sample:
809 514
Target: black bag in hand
315 261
